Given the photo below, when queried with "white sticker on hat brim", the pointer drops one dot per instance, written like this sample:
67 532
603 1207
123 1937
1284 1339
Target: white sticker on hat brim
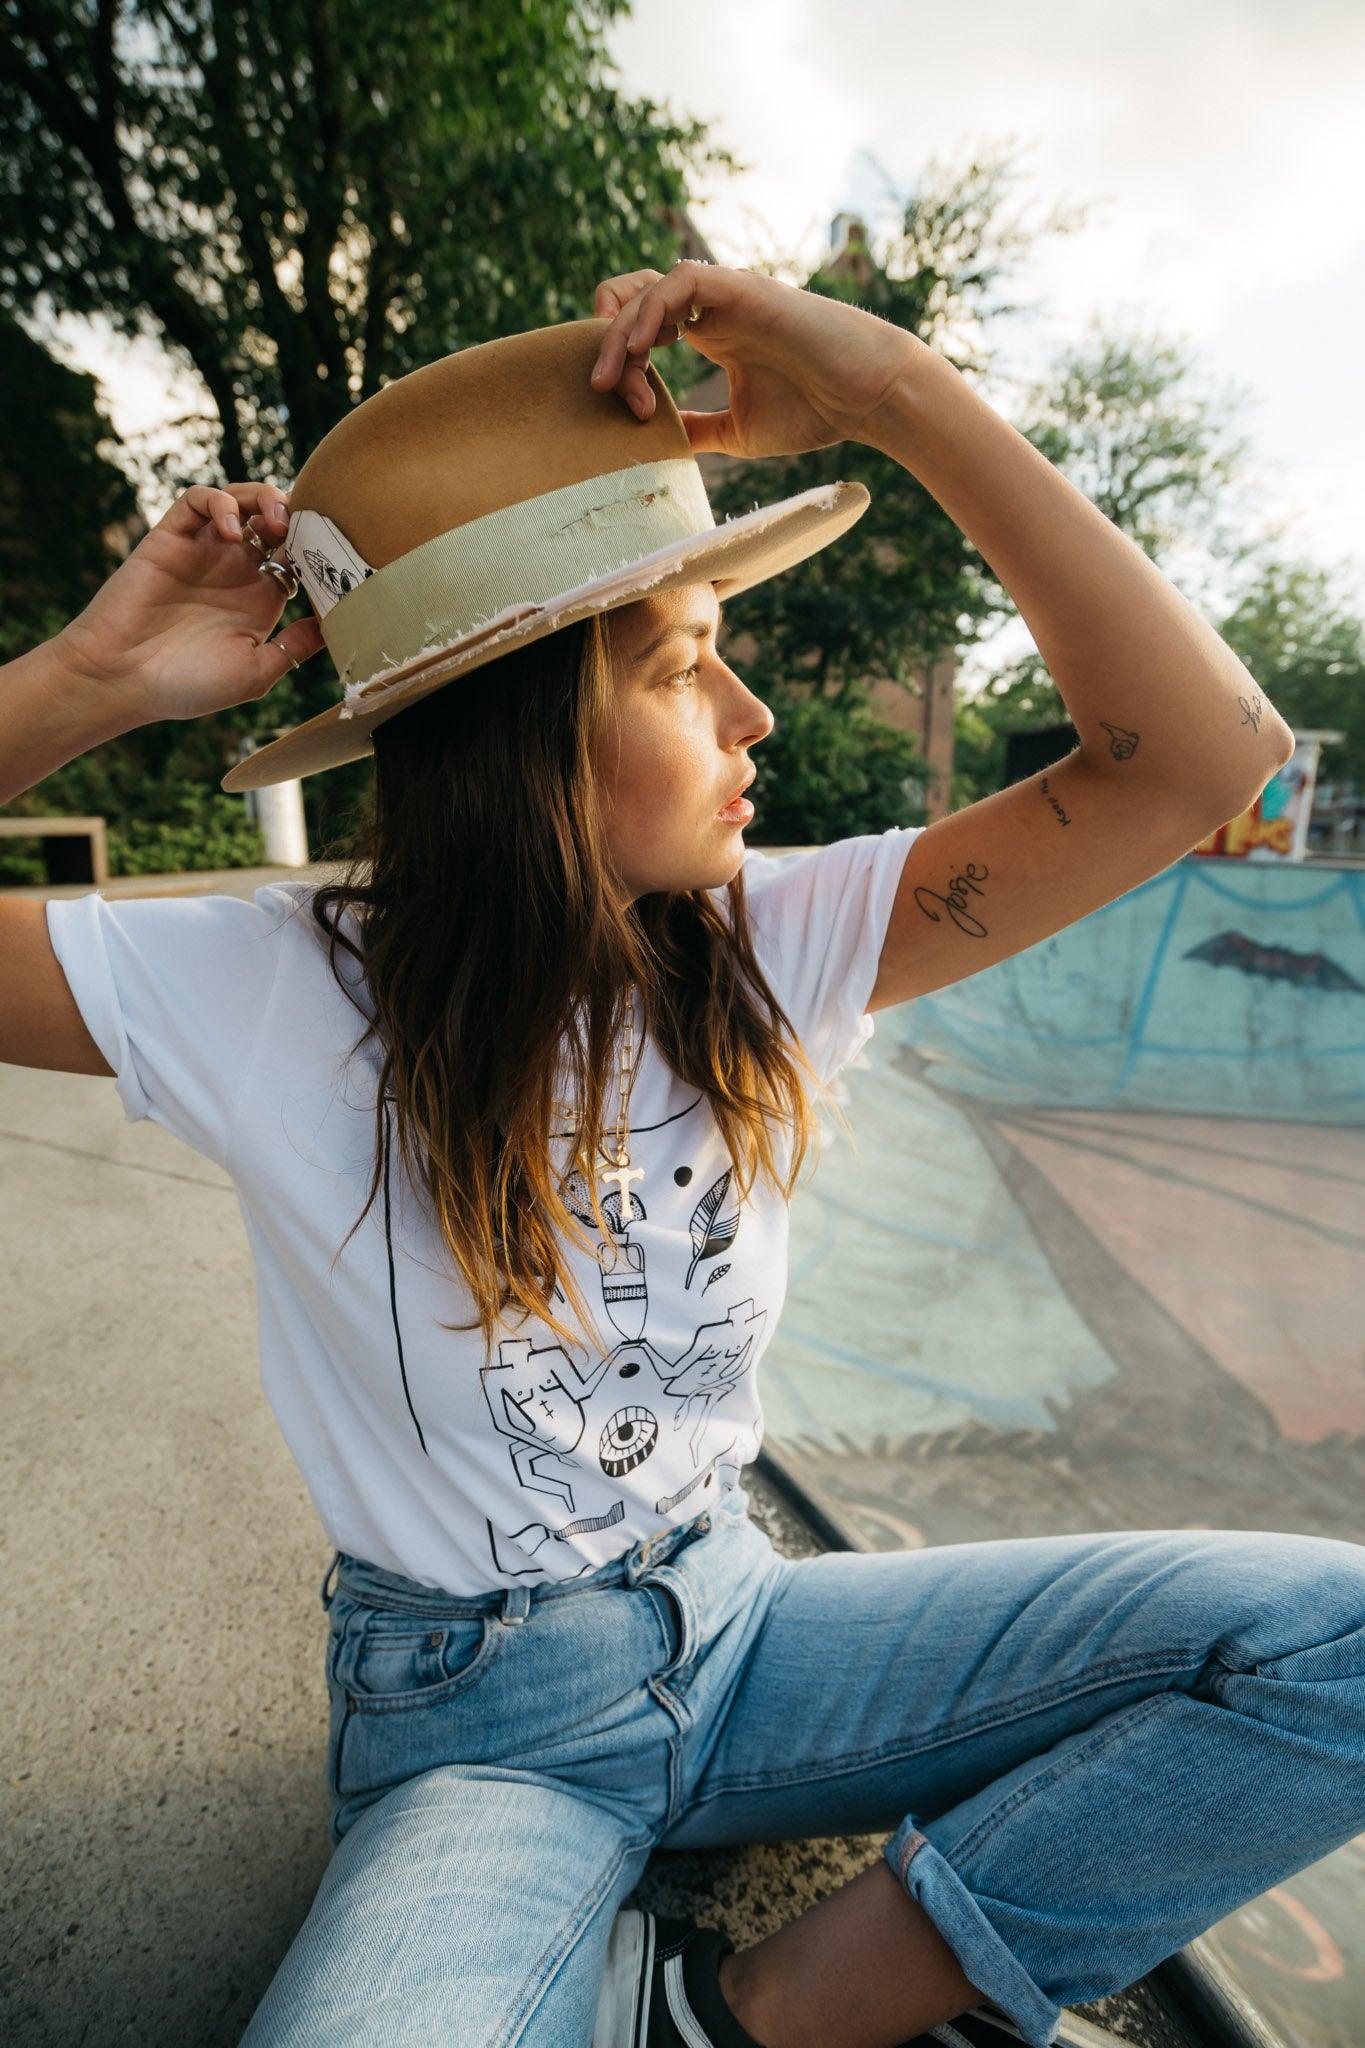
328 566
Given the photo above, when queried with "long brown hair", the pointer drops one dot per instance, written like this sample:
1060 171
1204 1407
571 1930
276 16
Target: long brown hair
490 927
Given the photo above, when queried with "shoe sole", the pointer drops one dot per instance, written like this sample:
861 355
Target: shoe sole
623 2007
1072 2032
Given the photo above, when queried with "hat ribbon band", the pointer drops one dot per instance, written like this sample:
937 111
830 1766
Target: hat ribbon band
522 555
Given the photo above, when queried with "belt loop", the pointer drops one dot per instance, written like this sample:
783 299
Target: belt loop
323 1594
516 1604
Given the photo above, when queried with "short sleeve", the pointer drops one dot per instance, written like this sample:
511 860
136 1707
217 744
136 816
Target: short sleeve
174 991
819 917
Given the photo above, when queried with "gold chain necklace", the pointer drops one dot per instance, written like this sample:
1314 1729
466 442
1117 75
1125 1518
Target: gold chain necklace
622 1172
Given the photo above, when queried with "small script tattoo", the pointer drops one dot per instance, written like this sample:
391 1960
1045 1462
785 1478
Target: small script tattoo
955 902
1122 743
1053 801
1251 713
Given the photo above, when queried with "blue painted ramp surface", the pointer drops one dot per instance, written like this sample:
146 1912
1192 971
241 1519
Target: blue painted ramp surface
1223 986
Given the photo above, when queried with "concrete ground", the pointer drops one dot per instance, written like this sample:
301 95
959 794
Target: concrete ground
165 1726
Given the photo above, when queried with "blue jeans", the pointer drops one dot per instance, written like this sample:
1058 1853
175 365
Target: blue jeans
1087 1749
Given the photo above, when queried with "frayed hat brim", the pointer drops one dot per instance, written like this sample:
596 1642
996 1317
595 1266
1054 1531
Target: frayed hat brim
739 552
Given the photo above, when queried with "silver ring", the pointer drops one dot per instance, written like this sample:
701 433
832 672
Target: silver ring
290 658
250 533
284 573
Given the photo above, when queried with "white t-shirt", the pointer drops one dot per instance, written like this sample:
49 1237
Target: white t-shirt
224 1023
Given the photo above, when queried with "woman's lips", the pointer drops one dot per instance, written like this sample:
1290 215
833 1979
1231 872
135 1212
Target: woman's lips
737 812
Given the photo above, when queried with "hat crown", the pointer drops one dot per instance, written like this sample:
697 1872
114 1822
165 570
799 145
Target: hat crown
487 500
491 426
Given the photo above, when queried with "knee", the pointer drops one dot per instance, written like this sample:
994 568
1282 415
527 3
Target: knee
1276 1596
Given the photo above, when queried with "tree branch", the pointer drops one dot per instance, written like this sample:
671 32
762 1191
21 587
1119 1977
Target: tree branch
95 137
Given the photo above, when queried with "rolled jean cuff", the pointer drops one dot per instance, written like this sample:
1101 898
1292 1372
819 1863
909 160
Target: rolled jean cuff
984 1958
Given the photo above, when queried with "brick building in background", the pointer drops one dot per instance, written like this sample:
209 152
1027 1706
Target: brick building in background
923 708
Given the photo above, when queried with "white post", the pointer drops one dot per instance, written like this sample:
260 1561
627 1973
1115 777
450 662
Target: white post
278 811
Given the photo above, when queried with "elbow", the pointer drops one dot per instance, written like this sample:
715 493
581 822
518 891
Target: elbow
1281 743
1279 750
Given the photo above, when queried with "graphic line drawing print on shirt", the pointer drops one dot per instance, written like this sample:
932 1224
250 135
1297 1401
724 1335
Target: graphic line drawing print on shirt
542 1409
539 1397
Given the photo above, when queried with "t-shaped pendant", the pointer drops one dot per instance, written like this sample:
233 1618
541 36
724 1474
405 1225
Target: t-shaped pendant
621 1175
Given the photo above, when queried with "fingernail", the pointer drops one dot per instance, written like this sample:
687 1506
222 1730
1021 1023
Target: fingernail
233 525
278 513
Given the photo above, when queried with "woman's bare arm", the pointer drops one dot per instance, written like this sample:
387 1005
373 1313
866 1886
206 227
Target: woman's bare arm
49 715
183 627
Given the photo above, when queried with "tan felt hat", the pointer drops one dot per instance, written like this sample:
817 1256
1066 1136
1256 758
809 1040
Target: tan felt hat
488 499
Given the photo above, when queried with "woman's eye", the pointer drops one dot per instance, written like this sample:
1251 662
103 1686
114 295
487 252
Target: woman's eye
686 675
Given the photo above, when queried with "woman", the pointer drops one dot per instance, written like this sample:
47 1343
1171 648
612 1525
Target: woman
521 1382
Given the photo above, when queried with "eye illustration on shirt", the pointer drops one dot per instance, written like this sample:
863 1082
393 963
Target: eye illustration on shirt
627 1440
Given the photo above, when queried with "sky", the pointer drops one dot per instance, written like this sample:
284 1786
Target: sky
1219 150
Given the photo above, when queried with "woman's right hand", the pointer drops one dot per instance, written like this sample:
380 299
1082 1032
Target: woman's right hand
183 626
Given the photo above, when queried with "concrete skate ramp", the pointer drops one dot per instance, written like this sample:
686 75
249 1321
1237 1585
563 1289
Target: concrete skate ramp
1095 1259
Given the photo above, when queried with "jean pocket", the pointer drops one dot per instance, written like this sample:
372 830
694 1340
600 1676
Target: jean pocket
387 1663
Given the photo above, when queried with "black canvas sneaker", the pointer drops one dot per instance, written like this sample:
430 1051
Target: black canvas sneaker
661 1989
661 1986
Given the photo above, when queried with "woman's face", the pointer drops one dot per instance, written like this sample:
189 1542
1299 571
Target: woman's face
685 726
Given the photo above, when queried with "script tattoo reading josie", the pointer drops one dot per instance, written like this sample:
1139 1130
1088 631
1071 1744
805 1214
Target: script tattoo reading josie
955 902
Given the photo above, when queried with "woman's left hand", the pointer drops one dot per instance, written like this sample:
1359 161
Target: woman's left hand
804 371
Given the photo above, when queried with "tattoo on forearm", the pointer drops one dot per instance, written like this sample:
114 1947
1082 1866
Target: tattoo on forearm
1251 713
1053 801
955 902
1122 743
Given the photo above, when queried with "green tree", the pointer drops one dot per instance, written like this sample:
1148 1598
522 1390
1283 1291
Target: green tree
1295 628
303 202
831 768
308 199
1130 421
67 511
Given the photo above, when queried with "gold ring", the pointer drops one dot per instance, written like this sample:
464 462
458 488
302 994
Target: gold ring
290 658
250 533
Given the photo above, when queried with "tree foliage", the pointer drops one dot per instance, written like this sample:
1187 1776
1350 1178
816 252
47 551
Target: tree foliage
1129 419
308 199
67 510
1131 423
1295 629
303 202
